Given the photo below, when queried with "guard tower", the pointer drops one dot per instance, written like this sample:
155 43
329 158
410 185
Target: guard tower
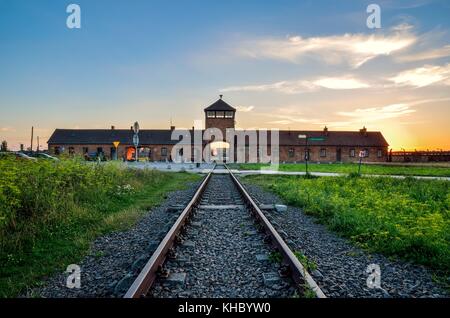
220 115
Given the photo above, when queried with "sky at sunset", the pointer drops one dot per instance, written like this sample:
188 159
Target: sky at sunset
283 64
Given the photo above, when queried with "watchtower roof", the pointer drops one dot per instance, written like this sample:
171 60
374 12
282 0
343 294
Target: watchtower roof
220 105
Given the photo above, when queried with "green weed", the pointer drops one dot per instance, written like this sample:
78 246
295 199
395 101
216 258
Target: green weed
50 212
308 264
352 168
407 218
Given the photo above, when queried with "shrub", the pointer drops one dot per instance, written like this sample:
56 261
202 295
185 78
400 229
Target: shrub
45 192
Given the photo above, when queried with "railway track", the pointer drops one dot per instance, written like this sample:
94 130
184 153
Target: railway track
222 245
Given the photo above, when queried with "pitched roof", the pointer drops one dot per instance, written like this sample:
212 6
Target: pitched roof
334 138
220 105
108 136
163 137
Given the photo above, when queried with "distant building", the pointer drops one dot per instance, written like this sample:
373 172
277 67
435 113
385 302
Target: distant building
156 144
419 156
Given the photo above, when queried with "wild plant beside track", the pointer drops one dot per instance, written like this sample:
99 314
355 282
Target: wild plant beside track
348 168
51 211
408 218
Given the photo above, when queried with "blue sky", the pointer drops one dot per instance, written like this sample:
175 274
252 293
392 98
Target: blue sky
284 64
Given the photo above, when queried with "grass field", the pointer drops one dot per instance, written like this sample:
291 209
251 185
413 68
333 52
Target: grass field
51 212
408 218
353 168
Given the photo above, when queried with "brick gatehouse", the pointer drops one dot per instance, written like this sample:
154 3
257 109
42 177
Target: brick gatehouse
156 144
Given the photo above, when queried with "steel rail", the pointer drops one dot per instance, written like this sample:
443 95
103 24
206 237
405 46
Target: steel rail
298 271
148 274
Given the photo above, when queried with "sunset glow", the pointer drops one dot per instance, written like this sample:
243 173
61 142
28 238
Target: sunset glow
274 63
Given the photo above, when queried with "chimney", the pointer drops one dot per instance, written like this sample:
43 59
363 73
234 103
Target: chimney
363 131
131 128
172 128
113 127
221 96
325 131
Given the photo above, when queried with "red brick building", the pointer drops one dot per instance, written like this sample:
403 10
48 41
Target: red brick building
156 144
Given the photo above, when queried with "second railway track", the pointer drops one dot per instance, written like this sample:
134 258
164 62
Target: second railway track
222 246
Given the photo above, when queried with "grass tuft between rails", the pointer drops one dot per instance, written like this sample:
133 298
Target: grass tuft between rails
406 218
50 212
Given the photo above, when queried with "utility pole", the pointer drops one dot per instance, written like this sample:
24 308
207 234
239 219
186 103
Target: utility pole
32 137
37 149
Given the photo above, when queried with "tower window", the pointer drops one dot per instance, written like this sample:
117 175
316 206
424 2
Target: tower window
210 114
228 114
220 115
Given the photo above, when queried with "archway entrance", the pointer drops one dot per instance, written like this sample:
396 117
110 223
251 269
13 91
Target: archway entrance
219 151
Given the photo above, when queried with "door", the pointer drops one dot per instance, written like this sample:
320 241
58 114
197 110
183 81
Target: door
150 155
338 154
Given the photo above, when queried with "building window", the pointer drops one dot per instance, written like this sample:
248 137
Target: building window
85 150
379 153
323 152
210 114
366 153
291 152
164 151
352 152
220 114
228 114
57 150
99 150
71 150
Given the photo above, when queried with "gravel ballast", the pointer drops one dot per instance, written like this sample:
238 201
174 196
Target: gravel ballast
115 260
341 267
223 254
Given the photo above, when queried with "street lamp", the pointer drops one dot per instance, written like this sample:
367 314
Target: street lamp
306 147
306 150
